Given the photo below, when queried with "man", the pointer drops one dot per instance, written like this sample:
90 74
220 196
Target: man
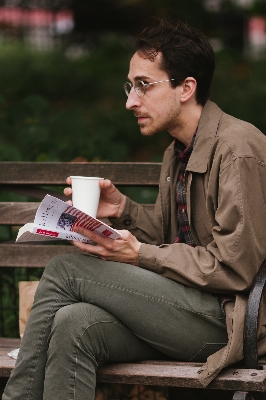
177 281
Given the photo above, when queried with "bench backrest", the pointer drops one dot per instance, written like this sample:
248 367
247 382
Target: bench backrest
36 179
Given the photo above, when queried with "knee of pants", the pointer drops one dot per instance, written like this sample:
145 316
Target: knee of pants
74 319
55 263
79 316
84 326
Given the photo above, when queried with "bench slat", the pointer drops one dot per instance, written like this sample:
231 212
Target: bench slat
156 373
55 173
180 375
10 343
31 255
19 213
33 191
7 363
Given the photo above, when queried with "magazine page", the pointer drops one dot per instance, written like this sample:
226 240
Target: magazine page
30 233
57 219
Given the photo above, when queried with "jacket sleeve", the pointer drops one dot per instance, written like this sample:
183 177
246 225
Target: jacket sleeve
236 247
144 224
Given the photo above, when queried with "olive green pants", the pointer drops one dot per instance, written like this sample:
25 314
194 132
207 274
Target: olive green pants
87 311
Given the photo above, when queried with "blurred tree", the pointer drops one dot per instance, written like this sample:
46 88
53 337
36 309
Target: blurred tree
130 16
258 8
64 107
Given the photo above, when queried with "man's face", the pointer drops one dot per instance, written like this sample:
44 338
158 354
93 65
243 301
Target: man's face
159 108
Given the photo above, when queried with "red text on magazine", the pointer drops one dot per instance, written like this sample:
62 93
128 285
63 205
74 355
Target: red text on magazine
46 232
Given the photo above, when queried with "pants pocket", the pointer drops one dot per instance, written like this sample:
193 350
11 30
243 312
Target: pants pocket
206 351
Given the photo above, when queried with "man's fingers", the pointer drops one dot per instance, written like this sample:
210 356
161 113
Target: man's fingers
93 236
125 234
68 191
68 180
88 248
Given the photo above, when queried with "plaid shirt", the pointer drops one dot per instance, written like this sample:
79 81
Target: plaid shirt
184 234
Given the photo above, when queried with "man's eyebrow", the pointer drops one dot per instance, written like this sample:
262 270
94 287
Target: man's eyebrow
140 78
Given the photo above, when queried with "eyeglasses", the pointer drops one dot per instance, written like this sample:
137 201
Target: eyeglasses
140 87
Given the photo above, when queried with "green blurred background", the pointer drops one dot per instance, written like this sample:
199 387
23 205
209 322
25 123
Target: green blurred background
63 64
61 87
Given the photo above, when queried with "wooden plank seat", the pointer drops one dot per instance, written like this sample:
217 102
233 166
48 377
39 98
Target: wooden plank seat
35 180
159 373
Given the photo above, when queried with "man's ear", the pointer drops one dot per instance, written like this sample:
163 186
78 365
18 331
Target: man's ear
189 89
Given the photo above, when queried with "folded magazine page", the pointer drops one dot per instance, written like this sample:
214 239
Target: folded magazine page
55 219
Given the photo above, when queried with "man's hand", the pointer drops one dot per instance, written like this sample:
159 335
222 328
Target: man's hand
125 249
112 201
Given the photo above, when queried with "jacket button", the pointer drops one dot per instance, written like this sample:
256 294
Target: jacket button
168 179
127 222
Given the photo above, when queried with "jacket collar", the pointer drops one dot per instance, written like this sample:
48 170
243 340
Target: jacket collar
205 138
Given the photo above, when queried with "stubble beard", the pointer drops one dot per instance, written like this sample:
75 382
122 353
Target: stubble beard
173 125
152 128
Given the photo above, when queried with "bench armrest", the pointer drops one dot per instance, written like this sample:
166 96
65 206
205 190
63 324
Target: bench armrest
251 319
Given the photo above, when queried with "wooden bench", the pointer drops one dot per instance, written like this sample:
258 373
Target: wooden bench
34 180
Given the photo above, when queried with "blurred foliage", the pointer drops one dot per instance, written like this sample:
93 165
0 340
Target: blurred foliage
9 297
129 16
56 108
239 88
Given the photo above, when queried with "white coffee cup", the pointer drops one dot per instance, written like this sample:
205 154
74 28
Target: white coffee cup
86 193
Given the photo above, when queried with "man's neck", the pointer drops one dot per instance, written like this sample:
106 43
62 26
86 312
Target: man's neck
190 117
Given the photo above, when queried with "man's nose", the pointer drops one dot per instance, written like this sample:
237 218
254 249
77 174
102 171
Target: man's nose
133 100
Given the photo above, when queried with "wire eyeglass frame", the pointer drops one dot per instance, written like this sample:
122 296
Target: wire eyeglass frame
140 87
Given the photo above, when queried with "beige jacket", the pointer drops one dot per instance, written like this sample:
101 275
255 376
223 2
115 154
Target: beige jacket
226 199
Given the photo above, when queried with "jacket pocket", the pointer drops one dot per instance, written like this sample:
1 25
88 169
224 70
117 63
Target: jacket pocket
206 351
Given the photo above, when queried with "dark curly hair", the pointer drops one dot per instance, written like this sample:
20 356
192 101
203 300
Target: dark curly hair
185 52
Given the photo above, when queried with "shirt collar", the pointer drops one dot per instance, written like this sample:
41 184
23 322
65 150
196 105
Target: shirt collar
184 154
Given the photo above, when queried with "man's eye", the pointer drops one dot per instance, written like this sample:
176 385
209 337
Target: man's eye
138 84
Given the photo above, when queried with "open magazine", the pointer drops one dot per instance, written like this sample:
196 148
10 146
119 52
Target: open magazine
55 219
